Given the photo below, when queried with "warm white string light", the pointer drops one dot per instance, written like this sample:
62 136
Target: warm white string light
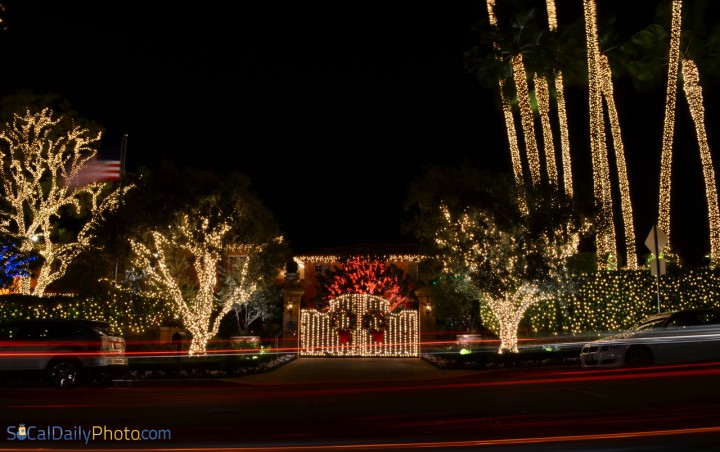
527 119
564 135
542 95
329 258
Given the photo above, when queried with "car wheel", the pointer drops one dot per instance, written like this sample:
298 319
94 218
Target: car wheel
638 357
64 374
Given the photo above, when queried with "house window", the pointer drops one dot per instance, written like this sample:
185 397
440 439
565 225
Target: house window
319 269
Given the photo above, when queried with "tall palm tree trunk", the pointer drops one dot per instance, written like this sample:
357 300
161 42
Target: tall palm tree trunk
542 94
669 128
562 115
510 125
606 242
693 94
623 182
527 117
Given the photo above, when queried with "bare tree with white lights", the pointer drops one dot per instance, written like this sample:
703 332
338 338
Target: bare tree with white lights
182 262
43 168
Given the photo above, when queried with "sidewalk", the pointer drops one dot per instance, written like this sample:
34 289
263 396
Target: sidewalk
332 369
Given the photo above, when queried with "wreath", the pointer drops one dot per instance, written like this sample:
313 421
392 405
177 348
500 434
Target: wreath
374 320
336 320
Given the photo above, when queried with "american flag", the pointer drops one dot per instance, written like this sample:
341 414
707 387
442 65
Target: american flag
98 171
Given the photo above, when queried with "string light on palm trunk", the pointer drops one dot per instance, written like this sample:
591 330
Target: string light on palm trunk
509 122
669 127
606 240
693 93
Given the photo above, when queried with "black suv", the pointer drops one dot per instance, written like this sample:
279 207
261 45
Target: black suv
65 350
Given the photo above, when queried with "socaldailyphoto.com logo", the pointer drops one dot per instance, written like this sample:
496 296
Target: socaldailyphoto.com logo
23 432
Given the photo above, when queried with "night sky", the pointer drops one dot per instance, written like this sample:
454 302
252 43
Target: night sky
330 108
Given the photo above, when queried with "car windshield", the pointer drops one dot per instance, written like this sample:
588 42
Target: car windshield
650 324
102 328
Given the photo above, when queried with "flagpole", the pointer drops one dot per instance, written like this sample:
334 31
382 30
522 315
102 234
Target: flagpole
123 153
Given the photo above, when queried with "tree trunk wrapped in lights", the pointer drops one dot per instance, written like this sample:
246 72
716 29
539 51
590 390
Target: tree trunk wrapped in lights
42 177
509 311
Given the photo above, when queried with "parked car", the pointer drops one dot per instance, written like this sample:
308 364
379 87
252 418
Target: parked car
691 335
63 350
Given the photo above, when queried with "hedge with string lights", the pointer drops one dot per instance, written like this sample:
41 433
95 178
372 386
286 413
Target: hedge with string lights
617 300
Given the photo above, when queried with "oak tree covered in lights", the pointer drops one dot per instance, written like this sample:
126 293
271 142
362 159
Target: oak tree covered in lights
509 266
182 259
43 162
365 276
492 250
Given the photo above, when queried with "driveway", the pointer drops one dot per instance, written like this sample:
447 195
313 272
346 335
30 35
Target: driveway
319 370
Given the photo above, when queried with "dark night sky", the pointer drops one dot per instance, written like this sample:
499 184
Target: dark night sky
329 107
